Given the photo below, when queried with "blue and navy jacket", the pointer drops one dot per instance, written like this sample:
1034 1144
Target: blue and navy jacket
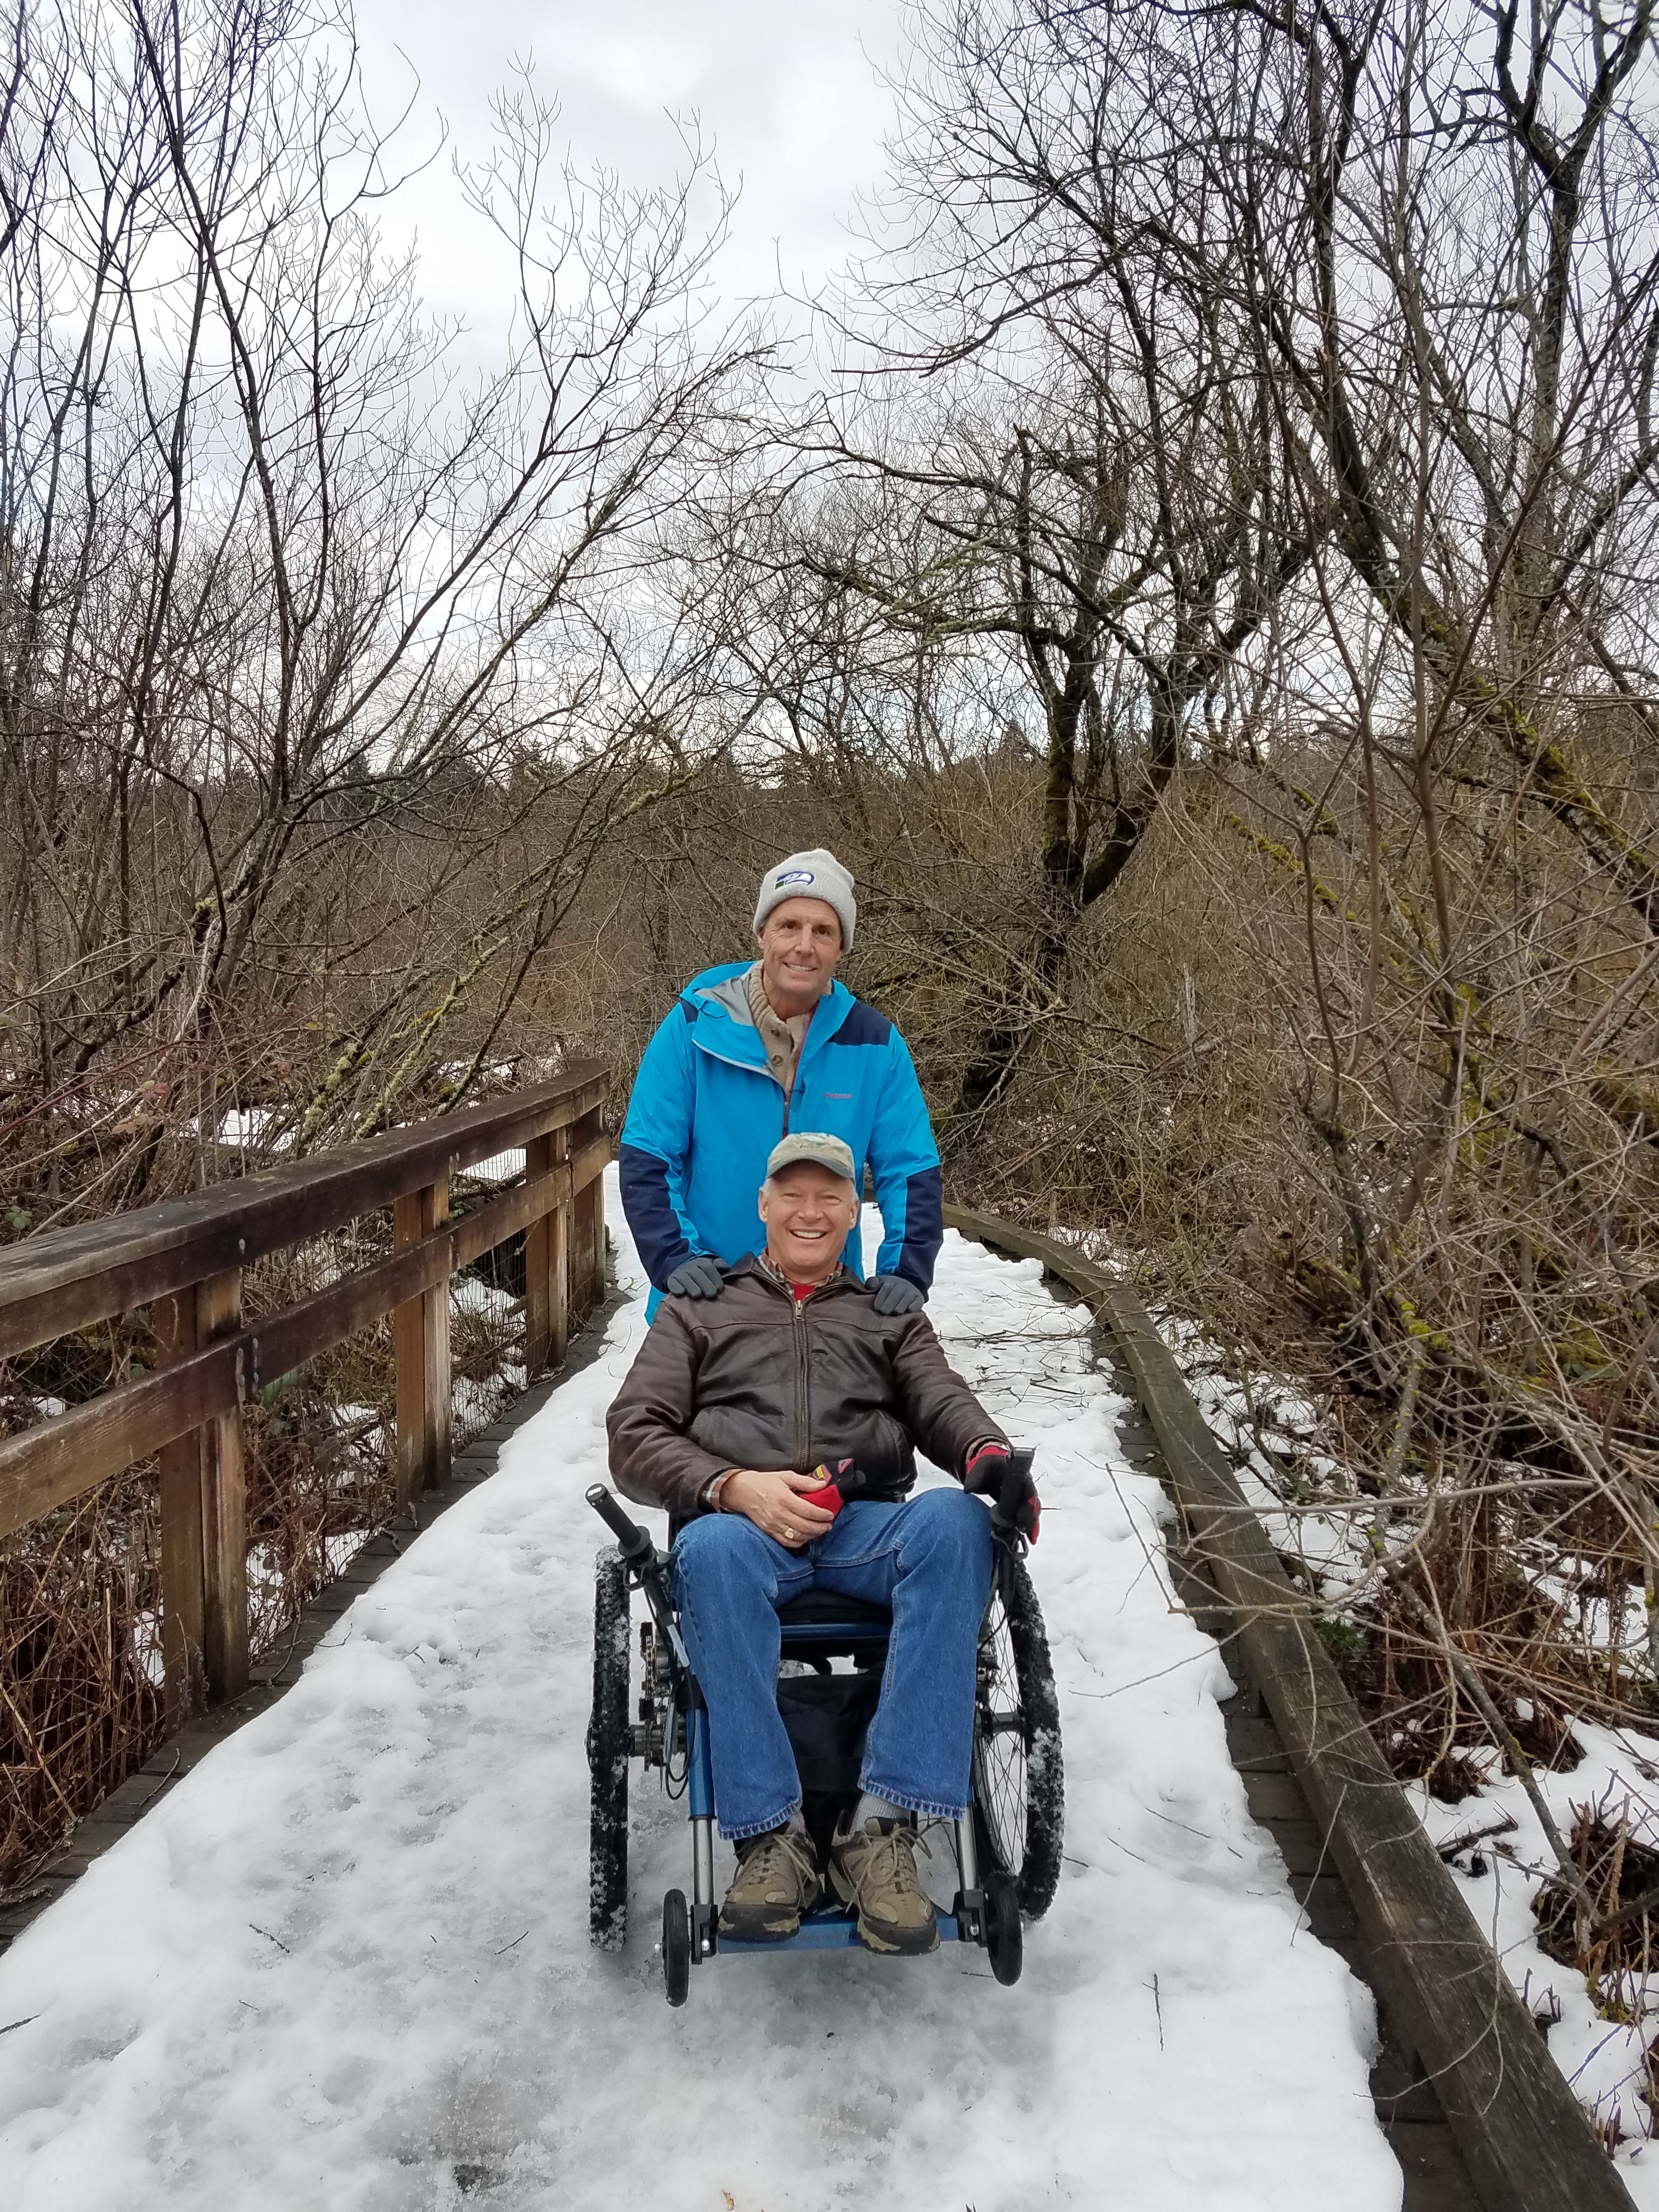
706 1112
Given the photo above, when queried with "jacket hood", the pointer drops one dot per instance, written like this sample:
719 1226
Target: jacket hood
721 991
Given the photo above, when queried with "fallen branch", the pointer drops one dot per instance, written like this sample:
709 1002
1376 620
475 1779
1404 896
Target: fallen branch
1466 1838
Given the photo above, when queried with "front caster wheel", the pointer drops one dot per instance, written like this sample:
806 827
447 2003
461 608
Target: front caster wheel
676 1948
1004 1938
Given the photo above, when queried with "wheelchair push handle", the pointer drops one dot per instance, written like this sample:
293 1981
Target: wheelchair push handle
636 1545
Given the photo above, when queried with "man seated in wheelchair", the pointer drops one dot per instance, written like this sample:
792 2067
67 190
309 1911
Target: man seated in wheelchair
736 1411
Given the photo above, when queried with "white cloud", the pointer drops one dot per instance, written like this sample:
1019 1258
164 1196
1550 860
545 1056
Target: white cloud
789 96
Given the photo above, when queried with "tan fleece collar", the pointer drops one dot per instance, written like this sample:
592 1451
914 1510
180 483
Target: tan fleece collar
780 1037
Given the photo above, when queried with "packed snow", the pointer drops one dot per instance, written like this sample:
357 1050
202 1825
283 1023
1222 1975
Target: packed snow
345 1963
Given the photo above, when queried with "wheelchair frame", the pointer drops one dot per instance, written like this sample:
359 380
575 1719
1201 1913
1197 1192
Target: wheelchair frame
985 1909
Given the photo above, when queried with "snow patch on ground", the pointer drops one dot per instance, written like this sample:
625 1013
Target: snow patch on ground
1312 1510
345 1963
1500 1878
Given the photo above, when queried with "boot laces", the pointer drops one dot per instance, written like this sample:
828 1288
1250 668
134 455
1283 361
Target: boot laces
783 1850
892 1861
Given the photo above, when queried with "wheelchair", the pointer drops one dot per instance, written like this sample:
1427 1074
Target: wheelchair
1006 1845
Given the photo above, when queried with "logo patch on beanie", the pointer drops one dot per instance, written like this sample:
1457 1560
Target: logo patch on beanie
794 876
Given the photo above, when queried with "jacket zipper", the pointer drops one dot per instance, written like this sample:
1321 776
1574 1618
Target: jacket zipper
803 1375
788 1096
803 1386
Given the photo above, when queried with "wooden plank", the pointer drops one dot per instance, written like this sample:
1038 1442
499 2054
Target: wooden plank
440 1368
224 1509
538 1273
546 1251
596 1223
183 1594
46 1466
68 1278
558 1260
1523 2135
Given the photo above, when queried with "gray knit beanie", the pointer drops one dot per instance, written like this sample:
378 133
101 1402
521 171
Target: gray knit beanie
816 875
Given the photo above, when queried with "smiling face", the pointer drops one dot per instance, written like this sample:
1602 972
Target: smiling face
809 1214
799 944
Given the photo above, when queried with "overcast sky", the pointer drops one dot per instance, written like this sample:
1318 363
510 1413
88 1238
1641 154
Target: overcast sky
787 93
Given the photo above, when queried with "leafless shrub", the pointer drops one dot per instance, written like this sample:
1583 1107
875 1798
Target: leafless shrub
80 1674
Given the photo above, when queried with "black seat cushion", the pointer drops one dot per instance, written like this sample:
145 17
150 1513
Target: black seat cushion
822 1607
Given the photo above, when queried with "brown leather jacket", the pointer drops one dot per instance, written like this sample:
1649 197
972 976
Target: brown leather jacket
750 1379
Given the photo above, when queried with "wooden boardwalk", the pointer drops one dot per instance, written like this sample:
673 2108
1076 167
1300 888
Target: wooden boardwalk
1408 2106
1517 2150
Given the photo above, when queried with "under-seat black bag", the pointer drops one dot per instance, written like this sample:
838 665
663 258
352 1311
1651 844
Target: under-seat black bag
826 1717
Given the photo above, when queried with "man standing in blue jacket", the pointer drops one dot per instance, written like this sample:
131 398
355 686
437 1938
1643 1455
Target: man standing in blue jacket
750 1050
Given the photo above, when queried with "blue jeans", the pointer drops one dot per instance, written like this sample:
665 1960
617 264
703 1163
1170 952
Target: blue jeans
929 1559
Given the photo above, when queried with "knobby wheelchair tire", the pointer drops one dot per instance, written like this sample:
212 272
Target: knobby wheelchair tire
607 1755
1019 1782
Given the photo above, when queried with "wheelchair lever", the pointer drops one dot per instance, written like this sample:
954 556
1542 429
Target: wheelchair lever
639 1557
1004 1512
636 1545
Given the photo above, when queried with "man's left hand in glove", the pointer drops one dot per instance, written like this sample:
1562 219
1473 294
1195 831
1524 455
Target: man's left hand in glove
898 1294
993 1471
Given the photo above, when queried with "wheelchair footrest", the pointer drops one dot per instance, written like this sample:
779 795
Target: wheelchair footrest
831 1928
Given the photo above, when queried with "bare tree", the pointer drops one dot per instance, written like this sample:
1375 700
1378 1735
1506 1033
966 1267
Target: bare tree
1046 441
323 668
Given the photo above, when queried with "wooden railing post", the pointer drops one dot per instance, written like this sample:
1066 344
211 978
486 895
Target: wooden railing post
205 1638
183 1601
546 1263
421 1343
224 1509
587 1224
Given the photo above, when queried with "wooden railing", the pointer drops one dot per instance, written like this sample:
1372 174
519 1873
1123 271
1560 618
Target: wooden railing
184 1261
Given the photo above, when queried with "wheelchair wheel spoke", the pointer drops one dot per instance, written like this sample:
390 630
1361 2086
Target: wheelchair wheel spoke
1000 1745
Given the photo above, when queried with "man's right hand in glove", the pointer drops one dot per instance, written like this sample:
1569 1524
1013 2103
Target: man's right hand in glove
993 1471
699 1277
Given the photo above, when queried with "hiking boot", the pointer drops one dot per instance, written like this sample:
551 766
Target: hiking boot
874 1868
776 1880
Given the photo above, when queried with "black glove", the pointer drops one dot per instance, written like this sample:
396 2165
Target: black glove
995 1471
699 1277
898 1294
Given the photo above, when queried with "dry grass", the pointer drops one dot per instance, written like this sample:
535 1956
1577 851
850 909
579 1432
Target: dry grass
1618 1862
80 1692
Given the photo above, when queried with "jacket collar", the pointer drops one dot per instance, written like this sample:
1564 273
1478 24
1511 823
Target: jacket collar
722 994
753 1263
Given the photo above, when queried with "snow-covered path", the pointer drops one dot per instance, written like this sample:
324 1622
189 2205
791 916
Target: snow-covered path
345 1963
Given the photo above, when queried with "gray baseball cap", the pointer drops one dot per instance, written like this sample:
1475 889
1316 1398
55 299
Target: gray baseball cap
815 1144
